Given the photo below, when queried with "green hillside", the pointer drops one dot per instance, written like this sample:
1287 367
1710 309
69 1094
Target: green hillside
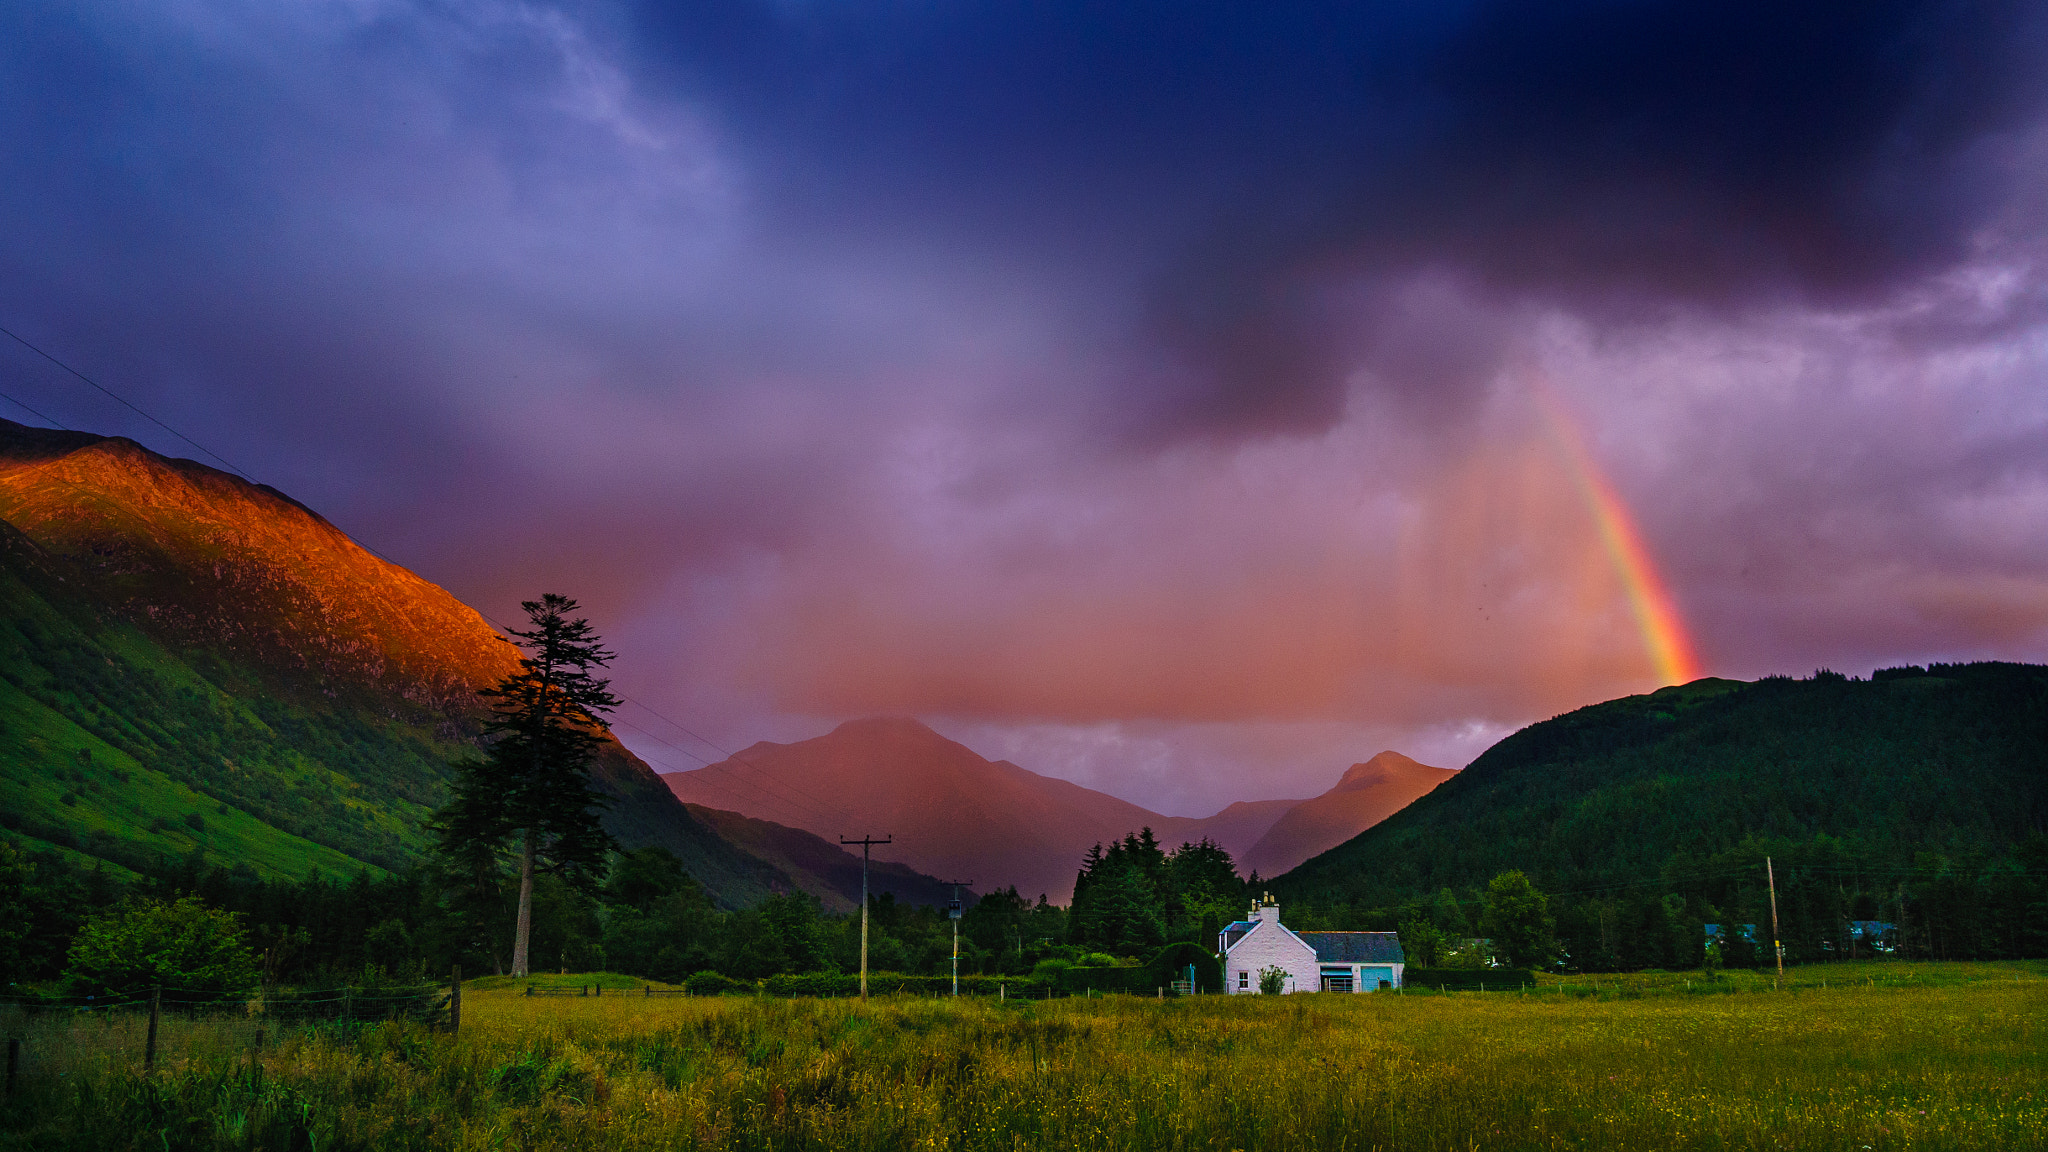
1918 797
195 668
116 747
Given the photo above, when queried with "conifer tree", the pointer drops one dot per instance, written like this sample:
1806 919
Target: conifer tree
530 792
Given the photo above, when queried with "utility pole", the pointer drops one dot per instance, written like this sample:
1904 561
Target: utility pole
953 914
866 843
1776 945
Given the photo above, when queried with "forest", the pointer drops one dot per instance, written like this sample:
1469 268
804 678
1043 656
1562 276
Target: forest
1914 803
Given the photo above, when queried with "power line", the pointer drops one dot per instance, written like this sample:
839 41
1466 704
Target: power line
837 812
251 479
124 403
707 742
24 407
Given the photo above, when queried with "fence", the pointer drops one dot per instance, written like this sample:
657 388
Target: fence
1066 983
69 1036
1468 979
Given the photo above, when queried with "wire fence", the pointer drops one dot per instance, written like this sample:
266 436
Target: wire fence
77 1035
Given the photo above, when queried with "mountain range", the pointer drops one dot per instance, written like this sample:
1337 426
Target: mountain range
954 814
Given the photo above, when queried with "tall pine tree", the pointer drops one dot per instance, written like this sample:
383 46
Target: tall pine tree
530 792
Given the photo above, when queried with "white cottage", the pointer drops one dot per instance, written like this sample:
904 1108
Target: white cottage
1313 961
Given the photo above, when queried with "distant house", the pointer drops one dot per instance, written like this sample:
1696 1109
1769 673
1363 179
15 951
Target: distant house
1312 961
1744 932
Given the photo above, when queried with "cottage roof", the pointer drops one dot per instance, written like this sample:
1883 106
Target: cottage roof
1236 932
1354 947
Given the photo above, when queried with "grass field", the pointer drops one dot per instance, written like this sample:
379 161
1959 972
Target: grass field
1933 1057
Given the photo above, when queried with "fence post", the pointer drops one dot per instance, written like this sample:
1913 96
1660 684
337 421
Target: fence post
348 1003
156 998
455 1001
13 1062
529 990
600 988
255 1059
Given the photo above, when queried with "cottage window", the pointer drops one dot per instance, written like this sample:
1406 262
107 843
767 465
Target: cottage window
1244 979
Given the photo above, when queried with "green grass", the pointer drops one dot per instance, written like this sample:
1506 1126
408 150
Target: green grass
1957 1062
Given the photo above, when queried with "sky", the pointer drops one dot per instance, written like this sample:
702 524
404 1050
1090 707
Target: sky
1187 399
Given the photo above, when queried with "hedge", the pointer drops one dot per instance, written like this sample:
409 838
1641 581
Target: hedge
1171 963
801 984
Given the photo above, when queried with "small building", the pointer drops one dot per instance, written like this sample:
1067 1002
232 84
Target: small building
1311 961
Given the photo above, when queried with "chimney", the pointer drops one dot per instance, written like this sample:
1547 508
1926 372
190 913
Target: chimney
1267 911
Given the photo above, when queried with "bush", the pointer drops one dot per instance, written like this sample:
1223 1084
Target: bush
1050 968
140 944
716 984
1171 963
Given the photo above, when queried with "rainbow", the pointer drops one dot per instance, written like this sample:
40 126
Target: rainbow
1665 637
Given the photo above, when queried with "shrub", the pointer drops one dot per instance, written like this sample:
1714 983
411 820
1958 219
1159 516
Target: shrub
715 984
140 944
1050 968
1171 963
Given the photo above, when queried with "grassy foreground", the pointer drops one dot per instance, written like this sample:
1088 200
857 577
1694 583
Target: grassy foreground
1956 1063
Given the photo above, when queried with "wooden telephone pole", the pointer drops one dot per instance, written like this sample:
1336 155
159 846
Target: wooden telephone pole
1776 945
953 914
865 842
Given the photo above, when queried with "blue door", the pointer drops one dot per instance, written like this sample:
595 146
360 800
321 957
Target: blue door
1370 977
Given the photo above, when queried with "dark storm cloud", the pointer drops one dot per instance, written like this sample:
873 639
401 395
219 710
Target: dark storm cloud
1266 166
1161 368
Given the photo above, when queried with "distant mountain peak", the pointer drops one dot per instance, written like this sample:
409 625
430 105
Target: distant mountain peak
889 727
1381 767
1366 794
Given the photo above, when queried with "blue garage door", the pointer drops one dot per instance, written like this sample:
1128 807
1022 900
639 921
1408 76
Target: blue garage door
1369 977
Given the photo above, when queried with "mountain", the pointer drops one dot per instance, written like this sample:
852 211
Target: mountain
191 662
821 867
1238 828
949 812
1857 785
1368 793
952 813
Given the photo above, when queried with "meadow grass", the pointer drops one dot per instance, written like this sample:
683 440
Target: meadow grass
1956 1062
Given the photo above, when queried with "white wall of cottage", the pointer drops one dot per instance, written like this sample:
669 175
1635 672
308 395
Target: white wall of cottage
1270 945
